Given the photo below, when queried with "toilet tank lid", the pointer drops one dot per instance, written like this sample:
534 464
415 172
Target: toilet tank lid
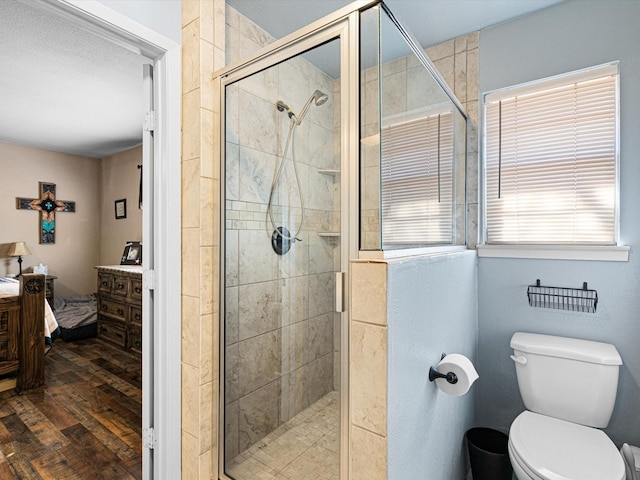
572 348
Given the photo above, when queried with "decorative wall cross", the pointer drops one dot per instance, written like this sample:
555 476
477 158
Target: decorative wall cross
47 205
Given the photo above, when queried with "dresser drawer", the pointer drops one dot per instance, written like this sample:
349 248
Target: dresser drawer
104 282
136 289
112 309
134 339
136 316
120 286
112 333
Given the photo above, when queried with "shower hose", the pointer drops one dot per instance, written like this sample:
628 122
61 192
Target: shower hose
276 179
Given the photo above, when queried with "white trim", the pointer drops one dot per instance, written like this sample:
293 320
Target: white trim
166 54
554 81
613 253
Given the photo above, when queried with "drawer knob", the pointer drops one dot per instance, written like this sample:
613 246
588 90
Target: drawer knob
120 311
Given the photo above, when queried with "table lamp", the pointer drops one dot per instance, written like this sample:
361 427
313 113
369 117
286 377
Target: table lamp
18 249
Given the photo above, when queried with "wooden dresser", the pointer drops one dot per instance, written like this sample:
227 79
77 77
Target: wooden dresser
120 306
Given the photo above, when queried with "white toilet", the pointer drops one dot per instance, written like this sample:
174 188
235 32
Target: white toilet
569 388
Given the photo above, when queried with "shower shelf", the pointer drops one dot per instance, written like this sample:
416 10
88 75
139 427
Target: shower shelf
329 171
329 234
561 298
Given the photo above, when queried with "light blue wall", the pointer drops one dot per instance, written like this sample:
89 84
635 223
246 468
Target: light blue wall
162 16
431 309
569 36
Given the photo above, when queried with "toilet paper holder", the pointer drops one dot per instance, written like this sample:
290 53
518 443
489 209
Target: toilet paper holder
449 377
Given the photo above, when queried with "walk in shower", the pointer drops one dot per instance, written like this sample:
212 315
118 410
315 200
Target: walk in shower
303 175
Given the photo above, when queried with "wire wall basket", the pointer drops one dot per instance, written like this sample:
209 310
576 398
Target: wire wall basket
560 298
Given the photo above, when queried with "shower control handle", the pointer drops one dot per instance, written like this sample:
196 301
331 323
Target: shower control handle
339 292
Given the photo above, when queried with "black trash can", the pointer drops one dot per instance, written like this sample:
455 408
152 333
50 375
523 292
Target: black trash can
489 454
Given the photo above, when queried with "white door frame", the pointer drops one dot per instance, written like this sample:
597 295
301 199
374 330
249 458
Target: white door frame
161 230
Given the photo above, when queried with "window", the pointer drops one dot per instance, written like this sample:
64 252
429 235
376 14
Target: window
417 182
551 160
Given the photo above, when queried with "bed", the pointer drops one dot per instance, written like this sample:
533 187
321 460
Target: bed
77 317
25 320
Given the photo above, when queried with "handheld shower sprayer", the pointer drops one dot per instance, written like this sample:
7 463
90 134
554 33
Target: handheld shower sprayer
282 238
318 98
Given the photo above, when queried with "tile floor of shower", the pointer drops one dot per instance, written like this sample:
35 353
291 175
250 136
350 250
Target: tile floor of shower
307 447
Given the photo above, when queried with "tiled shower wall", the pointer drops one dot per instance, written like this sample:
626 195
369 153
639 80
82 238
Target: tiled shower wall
406 86
279 322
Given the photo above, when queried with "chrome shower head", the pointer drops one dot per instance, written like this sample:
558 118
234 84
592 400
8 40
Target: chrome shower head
318 98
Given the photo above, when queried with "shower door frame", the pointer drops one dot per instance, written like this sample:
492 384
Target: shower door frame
344 25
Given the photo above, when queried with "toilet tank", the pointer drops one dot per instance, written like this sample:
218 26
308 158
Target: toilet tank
566 378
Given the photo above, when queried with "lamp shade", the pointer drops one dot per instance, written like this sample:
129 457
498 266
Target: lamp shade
18 249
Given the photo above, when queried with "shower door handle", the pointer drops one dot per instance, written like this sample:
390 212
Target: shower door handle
339 292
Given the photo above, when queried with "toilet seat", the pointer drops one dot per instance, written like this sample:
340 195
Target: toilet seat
547 448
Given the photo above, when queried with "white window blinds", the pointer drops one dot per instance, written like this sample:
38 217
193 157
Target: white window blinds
550 161
417 181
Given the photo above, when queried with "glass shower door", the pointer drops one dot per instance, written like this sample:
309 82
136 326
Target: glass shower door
281 254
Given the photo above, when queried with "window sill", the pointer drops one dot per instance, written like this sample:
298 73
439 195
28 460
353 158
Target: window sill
410 252
613 253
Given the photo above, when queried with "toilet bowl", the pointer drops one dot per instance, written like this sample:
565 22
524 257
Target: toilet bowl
547 448
569 388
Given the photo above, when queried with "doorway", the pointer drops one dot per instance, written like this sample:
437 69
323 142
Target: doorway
161 228
285 250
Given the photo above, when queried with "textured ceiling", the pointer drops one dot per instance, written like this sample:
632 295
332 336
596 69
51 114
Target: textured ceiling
65 89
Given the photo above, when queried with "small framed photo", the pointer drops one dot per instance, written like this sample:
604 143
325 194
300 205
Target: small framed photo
132 254
121 208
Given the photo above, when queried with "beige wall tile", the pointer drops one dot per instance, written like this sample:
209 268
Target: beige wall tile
190 193
190 331
206 70
191 125
207 9
208 336
190 466
190 11
446 49
191 259
206 280
369 292
206 416
206 142
368 455
190 400
191 56
368 375
208 202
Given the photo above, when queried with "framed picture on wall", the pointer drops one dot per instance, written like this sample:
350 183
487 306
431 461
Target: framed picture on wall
121 208
132 254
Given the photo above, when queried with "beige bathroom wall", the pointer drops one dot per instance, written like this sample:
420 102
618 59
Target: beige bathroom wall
202 53
75 253
120 178
368 371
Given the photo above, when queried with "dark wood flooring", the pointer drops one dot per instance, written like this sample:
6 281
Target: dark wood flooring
85 423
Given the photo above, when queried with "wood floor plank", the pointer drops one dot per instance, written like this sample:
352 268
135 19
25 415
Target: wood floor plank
53 410
45 431
85 423
54 466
